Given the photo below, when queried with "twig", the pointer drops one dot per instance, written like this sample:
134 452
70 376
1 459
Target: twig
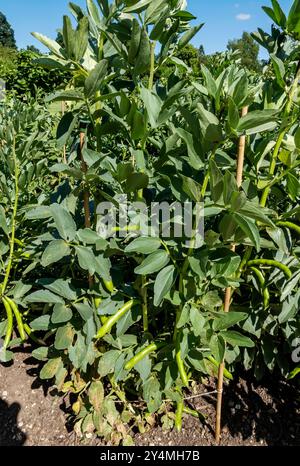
170 401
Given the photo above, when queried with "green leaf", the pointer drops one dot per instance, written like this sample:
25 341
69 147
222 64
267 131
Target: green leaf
81 38
65 128
279 14
143 245
6 356
211 85
228 320
258 121
107 362
217 346
3 223
153 105
41 354
239 91
94 81
88 236
60 286
163 283
194 158
279 69
233 114
270 13
188 36
54 252
237 339
40 212
191 188
143 58
71 95
41 323
44 296
50 369
255 211
153 263
135 41
64 222
138 7
93 12
86 312
64 337
49 43
211 300
136 181
216 181
293 22
249 228
68 36
61 314
230 187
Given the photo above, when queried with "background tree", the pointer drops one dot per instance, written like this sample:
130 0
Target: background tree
248 49
33 48
24 76
7 35
202 55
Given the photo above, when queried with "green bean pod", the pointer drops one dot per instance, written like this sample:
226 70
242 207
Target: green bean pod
180 364
271 263
290 226
18 317
227 374
262 282
111 321
193 412
142 354
109 285
36 340
10 321
178 415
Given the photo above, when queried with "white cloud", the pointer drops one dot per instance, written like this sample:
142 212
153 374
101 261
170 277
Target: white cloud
243 17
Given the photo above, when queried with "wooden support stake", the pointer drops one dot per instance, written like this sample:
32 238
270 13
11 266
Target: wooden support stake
64 148
86 196
228 293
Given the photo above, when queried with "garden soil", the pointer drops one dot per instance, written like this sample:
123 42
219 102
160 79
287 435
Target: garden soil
261 414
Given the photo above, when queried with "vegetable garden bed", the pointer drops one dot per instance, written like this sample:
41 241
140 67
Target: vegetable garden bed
254 413
150 230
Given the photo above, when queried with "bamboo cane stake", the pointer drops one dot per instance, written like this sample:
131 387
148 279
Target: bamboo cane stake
64 148
86 195
228 293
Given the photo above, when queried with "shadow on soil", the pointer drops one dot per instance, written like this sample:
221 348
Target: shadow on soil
265 411
268 410
10 434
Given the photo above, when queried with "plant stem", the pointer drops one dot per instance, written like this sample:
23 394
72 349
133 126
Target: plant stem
144 295
152 66
228 292
267 190
13 220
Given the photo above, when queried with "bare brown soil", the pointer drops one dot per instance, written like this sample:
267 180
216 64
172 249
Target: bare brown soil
254 414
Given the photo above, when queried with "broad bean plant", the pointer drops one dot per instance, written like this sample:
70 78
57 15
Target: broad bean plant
128 321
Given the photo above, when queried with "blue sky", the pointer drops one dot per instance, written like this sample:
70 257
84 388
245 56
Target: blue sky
224 19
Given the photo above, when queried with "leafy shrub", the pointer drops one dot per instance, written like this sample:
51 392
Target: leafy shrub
25 77
124 318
